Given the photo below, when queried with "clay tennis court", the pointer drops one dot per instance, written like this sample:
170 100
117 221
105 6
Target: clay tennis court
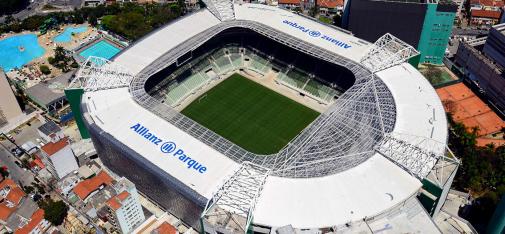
470 110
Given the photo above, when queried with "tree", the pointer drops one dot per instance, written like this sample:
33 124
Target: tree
4 172
61 60
337 20
44 69
54 211
28 189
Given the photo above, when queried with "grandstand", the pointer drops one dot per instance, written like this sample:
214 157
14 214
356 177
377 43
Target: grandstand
232 58
376 149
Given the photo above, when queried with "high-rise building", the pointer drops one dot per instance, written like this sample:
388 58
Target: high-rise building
426 25
9 106
494 47
125 211
484 68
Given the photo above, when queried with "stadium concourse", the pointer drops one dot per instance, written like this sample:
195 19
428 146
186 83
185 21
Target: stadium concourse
375 159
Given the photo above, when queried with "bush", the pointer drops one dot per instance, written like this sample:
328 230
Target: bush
54 211
51 60
45 69
74 65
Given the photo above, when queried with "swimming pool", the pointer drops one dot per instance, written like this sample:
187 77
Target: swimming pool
101 49
66 36
19 50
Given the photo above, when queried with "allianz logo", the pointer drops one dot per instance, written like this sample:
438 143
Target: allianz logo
317 34
168 147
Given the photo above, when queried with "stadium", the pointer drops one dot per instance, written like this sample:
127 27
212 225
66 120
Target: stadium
244 117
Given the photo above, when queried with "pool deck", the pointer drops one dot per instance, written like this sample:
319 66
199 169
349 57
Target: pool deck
46 42
81 59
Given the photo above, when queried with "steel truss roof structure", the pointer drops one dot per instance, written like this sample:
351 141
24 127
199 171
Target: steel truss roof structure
386 52
231 207
98 73
222 9
356 126
417 155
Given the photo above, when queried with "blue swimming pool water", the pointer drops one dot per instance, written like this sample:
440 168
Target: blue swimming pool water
66 36
17 51
101 49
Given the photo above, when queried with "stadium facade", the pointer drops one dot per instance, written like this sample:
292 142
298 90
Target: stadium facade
364 164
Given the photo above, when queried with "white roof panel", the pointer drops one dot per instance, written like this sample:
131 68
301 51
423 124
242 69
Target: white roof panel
108 109
147 50
419 111
364 190
305 29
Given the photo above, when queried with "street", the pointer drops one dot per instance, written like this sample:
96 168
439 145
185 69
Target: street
35 7
19 175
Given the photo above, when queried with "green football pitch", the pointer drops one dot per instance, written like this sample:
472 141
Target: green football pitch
250 115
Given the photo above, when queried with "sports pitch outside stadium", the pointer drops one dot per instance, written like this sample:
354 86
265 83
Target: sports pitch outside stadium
250 115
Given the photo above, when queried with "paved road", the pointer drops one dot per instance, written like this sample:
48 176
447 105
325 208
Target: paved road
19 175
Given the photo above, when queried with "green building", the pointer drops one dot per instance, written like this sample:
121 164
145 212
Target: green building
424 24
437 28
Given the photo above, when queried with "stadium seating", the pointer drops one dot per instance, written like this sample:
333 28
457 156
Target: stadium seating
179 91
224 64
233 57
259 64
302 83
319 90
236 60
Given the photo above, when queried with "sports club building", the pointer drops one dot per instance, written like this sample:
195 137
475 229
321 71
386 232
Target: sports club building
371 161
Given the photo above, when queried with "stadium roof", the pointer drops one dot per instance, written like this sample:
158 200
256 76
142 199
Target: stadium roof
364 190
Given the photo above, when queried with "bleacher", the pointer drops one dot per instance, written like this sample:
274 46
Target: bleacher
236 60
259 64
301 82
180 90
231 58
319 90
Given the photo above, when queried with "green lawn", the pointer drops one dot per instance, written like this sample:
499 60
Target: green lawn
250 115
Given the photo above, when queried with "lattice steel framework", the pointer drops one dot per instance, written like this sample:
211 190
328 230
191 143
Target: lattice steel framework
357 125
222 9
386 52
231 207
415 154
99 73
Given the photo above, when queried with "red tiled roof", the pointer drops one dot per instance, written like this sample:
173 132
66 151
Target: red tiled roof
115 201
51 148
84 188
166 228
5 212
486 14
295 2
37 217
39 162
488 3
330 3
15 195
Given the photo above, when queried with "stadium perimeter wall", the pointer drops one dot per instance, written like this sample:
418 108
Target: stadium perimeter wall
168 192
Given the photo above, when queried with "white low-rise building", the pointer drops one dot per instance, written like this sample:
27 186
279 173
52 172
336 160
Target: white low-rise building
59 157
